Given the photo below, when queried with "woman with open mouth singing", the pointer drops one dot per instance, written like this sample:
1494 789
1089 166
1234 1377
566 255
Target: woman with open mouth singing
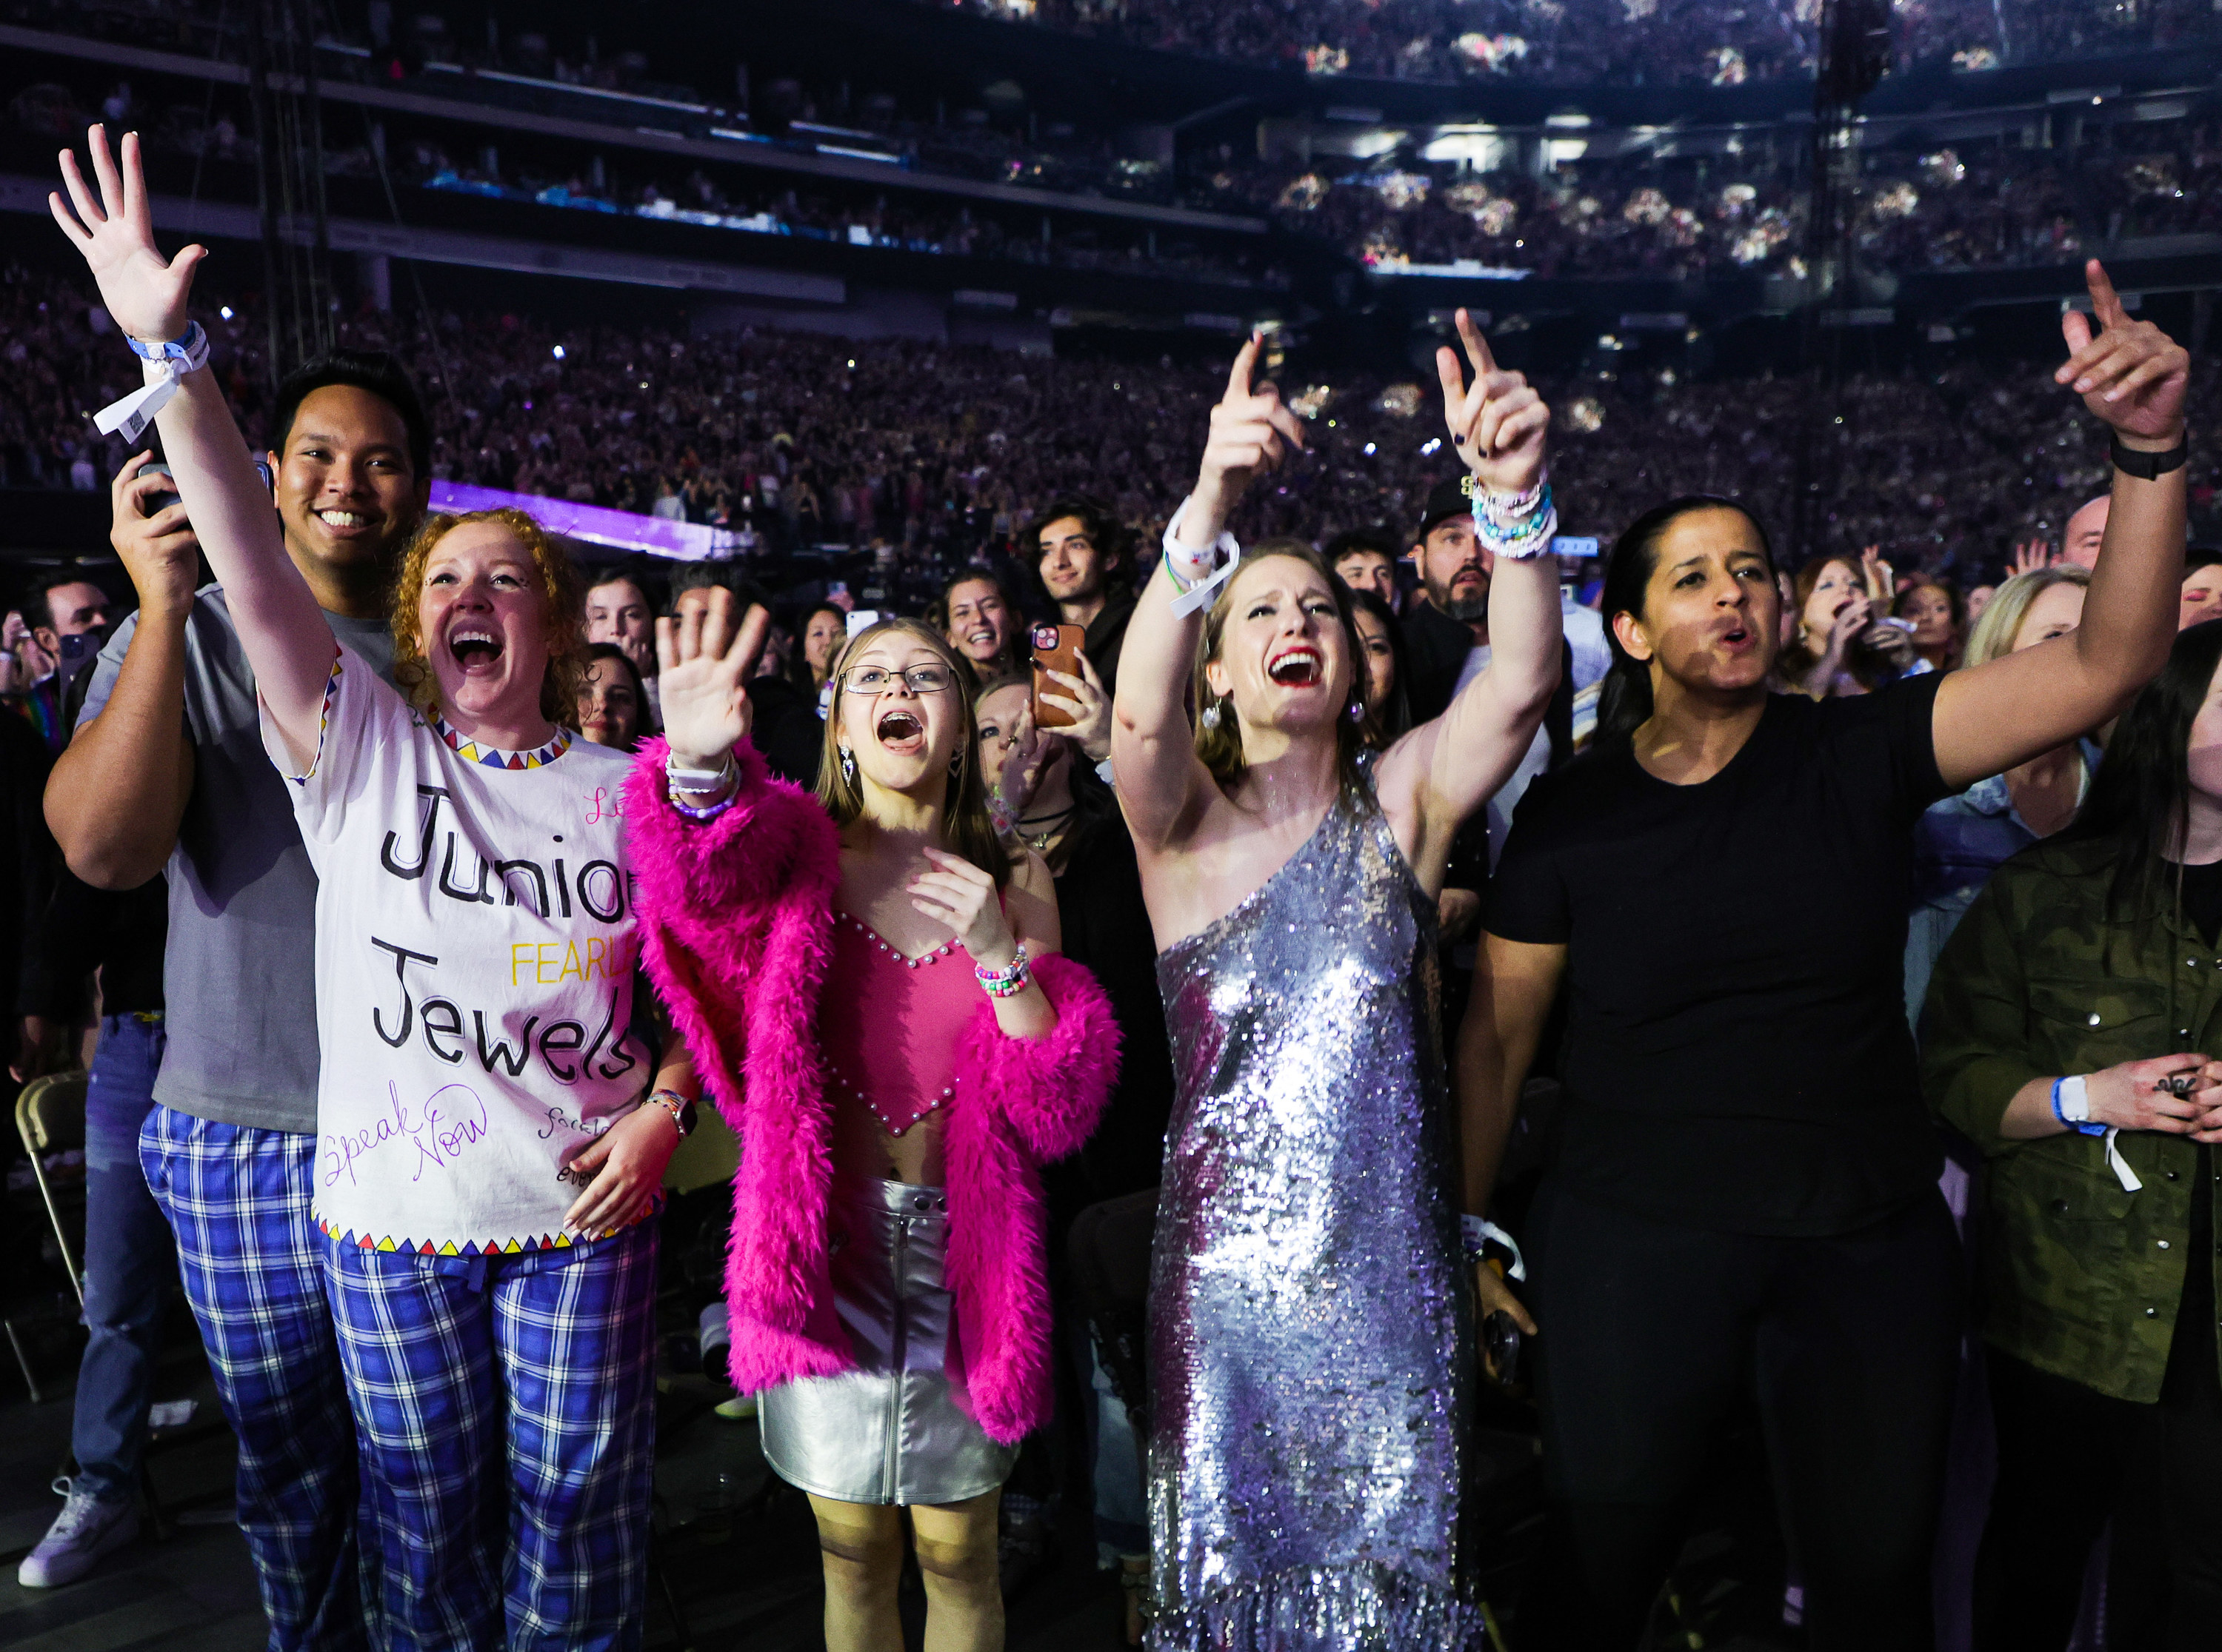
493 1127
1311 1349
872 986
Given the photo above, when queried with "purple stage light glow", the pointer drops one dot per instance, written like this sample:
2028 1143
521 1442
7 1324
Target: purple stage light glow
683 542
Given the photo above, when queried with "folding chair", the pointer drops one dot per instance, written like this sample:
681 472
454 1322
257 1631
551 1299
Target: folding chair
50 1118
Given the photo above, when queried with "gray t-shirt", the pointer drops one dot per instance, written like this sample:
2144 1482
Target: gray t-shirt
240 970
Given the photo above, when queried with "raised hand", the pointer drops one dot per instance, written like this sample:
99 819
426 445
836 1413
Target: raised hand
1499 424
1251 431
1881 579
704 660
2130 374
144 292
2032 558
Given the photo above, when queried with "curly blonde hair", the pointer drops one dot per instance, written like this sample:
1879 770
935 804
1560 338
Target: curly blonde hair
562 589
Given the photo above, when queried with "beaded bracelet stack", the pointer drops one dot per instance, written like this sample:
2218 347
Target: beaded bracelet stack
1517 526
1008 982
684 784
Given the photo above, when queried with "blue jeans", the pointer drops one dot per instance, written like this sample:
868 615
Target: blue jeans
127 1261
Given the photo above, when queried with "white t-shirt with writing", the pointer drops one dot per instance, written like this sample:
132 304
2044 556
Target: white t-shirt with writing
475 949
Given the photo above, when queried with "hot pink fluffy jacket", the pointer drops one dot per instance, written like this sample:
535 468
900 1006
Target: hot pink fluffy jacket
737 916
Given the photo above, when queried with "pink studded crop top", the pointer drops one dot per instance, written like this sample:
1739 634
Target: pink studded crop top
887 1024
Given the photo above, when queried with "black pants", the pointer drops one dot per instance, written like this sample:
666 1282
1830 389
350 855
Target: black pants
2069 1459
1652 1334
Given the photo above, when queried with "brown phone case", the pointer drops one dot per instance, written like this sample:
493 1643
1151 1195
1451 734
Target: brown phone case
1062 654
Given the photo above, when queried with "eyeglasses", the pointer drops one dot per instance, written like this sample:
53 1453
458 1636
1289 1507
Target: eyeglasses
877 680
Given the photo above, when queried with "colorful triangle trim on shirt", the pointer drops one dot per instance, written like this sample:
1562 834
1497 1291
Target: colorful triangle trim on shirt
514 1246
323 718
490 757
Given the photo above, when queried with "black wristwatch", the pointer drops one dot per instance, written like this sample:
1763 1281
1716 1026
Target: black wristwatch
2147 467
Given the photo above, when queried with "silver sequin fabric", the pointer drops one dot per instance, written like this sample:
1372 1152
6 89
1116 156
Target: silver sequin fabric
1310 1347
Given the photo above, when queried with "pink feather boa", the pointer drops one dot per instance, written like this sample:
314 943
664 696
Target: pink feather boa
737 916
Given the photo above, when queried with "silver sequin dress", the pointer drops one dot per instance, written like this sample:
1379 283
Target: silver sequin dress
1310 1347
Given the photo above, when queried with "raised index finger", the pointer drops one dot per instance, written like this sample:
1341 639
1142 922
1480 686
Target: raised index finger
1477 347
1246 364
2106 302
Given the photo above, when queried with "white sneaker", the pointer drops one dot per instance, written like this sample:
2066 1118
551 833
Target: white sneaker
87 1528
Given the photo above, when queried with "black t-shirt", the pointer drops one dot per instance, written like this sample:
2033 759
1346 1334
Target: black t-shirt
1737 1054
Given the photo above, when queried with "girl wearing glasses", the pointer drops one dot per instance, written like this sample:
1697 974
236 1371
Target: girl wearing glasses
872 987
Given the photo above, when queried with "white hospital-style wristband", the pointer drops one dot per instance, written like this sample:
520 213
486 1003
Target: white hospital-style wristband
1194 577
131 414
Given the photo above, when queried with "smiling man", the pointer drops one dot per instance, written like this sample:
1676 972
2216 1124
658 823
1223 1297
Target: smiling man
1086 567
166 772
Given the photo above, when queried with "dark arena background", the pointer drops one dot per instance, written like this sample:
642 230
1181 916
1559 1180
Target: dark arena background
837 294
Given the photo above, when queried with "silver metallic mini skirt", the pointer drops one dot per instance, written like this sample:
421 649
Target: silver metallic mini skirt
898 1429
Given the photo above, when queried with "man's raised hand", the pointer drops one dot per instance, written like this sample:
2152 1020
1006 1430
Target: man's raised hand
1251 431
2130 374
704 661
1498 424
144 292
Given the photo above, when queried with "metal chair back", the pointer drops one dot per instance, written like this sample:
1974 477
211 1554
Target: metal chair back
50 1118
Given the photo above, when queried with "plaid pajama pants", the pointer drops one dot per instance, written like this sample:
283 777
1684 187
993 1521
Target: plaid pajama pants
506 1410
237 1199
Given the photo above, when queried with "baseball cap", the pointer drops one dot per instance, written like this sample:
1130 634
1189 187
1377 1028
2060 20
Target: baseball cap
1452 496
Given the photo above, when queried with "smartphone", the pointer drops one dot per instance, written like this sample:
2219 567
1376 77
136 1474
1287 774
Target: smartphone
1503 1343
1056 648
862 619
168 496
837 587
155 503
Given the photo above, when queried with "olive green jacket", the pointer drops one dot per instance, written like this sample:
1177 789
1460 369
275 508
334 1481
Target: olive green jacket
2081 1277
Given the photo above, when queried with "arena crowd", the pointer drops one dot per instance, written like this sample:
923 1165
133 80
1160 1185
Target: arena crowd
1233 811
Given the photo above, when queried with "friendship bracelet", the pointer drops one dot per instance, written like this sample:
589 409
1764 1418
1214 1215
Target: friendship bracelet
1510 509
705 811
675 1103
1008 982
134 413
1519 540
